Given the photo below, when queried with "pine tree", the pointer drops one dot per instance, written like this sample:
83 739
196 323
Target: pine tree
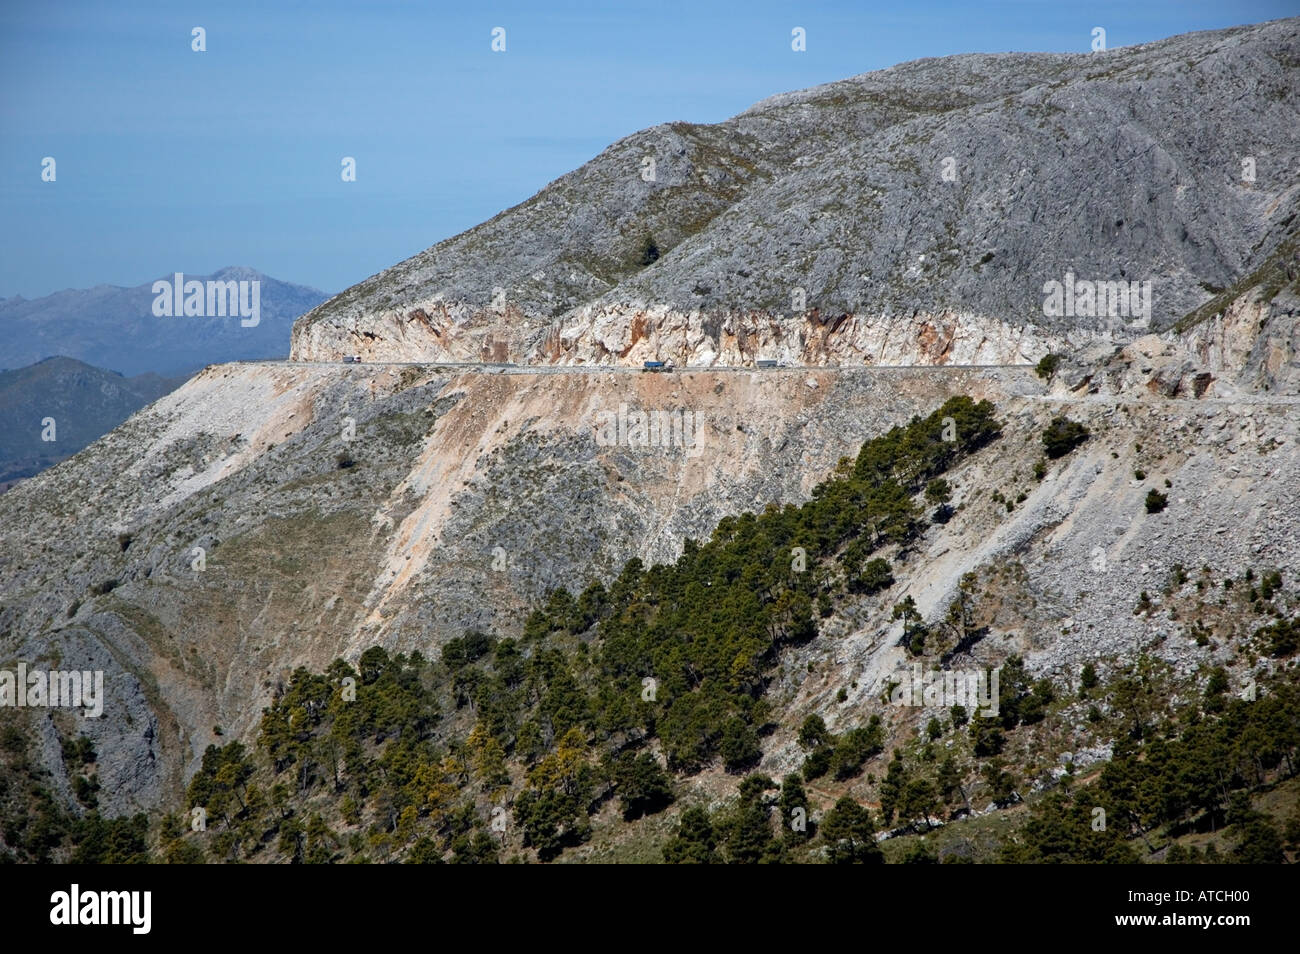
695 842
793 804
891 787
850 834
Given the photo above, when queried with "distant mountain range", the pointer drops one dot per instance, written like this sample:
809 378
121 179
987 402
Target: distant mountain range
116 328
83 403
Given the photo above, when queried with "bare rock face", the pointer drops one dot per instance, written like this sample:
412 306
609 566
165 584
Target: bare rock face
1252 347
613 335
913 215
1255 344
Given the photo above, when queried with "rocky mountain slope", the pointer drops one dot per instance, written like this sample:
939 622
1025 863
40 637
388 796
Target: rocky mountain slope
317 546
460 499
267 517
911 215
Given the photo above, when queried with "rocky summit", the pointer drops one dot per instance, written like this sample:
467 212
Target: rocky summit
911 215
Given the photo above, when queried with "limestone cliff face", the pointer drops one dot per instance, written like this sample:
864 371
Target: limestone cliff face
612 335
1255 344
626 335
1251 347
1252 344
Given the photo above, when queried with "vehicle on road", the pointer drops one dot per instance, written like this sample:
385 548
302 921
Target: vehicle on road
767 363
352 359
657 366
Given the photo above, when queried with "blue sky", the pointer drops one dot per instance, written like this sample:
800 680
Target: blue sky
171 160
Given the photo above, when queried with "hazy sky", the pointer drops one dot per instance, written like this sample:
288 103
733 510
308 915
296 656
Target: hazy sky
172 160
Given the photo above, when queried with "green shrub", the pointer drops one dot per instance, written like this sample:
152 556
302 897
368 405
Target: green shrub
938 491
1282 638
739 746
1063 436
875 576
1089 679
644 788
856 746
818 763
649 251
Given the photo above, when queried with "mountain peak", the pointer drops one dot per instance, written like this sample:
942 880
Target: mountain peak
915 214
237 272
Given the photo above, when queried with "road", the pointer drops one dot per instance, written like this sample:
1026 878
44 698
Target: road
485 367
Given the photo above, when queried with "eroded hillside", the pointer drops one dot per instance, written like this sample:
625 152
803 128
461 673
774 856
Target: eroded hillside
401 507
316 544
